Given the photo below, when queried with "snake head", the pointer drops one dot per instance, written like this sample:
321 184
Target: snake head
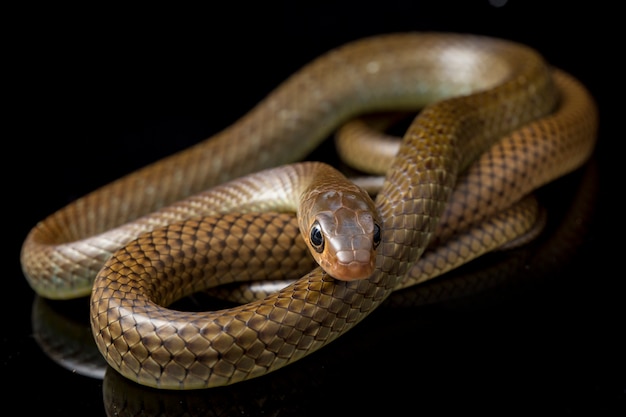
343 234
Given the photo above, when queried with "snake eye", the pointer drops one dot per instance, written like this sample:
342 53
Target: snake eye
317 238
376 235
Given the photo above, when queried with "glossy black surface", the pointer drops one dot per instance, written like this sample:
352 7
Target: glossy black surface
535 332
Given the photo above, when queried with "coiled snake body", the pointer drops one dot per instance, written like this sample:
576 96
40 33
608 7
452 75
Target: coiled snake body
473 90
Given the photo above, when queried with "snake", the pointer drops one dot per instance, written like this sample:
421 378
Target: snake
495 119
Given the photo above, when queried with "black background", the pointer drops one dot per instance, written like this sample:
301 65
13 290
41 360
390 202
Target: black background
94 94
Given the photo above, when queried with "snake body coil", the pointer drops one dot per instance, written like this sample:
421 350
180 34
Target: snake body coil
474 90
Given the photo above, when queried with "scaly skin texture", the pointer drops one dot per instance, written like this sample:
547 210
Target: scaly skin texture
476 90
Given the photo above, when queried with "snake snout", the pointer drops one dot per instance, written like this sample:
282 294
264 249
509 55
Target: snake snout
352 271
354 261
